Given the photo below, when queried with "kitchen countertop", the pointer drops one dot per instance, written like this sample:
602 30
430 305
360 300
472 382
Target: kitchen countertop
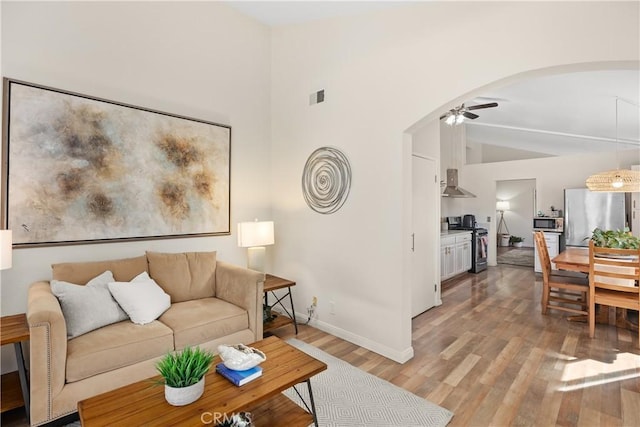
547 231
452 232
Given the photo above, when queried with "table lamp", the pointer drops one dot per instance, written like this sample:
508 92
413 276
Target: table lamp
255 236
5 249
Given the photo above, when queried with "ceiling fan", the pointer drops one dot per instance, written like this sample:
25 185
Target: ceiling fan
458 114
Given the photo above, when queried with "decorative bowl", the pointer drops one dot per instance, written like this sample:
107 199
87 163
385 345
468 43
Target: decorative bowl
240 357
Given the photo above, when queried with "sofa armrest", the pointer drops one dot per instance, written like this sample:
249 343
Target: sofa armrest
244 288
47 348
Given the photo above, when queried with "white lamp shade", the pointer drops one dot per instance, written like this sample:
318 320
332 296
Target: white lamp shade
251 234
502 205
5 249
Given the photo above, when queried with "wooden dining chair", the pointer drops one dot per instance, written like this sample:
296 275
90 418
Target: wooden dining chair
559 292
614 275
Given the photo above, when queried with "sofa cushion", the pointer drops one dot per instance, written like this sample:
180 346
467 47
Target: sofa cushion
87 307
185 276
81 272
115 346
198 321
142 299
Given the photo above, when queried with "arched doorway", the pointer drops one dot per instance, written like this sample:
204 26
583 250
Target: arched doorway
486 206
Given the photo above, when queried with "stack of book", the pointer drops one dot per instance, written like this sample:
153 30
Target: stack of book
239 377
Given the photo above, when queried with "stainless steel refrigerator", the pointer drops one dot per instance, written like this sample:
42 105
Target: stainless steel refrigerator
586 210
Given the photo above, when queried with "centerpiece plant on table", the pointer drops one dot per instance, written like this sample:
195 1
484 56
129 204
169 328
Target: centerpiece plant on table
620 239
183 373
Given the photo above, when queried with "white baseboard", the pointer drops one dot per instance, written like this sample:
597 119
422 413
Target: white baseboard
390 353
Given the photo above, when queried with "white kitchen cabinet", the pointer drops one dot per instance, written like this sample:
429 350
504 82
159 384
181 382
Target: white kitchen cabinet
447 261
553 247
635 221
455 254
635 209
466 255
462 253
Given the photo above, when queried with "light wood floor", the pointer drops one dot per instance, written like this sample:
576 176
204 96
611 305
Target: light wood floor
492 358
489 356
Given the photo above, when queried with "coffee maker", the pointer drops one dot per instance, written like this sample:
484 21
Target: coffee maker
469 221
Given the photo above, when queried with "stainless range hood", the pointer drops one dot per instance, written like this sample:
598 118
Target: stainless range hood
452 189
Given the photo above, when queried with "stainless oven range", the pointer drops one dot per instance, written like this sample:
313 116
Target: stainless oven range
479 241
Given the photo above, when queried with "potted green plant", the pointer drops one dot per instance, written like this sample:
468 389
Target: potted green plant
516 241
621 239
183 373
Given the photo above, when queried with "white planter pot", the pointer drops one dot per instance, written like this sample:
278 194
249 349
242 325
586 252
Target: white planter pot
184 395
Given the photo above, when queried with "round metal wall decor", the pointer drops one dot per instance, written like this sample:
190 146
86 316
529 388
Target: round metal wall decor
326 180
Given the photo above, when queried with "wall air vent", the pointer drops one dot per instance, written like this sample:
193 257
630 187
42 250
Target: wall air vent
316 97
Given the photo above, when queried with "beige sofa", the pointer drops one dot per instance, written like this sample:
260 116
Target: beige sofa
211 303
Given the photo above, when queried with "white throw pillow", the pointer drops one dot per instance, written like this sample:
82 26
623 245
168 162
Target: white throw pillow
87 307
142 299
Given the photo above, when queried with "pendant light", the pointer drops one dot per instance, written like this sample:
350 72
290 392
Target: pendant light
619 180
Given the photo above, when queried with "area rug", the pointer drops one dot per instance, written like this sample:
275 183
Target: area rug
347 396
518 256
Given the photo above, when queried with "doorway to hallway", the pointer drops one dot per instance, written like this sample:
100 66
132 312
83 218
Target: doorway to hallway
516 201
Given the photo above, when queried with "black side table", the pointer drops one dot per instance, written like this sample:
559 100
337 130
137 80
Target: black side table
271 284
14 330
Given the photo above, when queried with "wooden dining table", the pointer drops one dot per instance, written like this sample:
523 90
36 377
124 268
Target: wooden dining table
576 259
573 258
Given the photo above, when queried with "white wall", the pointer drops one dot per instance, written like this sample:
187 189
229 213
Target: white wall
382 73
552 175
488 153
197 59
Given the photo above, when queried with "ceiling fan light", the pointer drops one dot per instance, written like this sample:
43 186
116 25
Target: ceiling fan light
458 114
451 118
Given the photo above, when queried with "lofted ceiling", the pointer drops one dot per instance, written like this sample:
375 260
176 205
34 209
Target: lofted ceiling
555 115
274 13
562 114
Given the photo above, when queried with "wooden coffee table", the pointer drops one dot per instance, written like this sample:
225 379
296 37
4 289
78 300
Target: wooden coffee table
143 403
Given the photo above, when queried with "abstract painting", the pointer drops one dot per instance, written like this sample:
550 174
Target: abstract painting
78 169
326 180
